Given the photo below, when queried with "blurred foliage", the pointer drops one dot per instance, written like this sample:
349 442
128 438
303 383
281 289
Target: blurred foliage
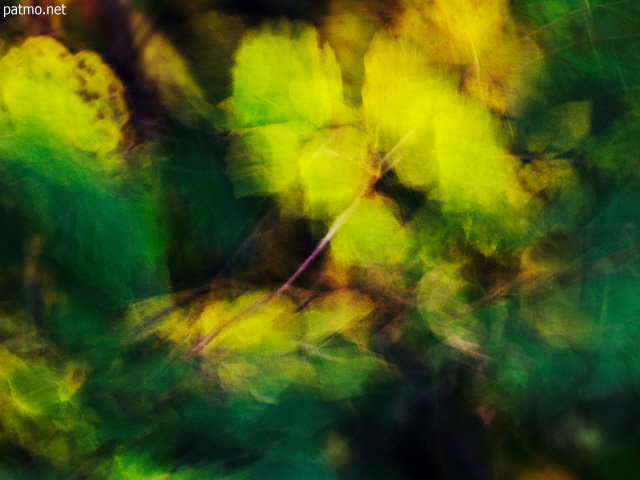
320 240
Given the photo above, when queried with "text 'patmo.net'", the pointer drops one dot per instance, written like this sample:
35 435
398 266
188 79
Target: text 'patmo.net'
34 10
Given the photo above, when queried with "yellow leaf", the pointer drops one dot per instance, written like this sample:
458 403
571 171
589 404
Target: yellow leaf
349 27
282 74
264 378
337 312
372 235
445 143
38 410
290 124
475 40
75 99
252 322
396 95
334 170
265 159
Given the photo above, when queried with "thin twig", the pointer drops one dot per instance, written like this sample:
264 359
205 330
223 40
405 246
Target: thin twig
209 286
335 226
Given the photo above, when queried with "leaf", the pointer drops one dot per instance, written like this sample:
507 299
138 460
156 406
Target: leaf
588 47
130 465
265 352
293 137
334 170
75 99
615 150
40 411
475 40
263 160
103 231
340 312
345 372
253 322
283 75
561 129
263 378
444 309
371 236
557 183
447 144
348 27
177 88
561 320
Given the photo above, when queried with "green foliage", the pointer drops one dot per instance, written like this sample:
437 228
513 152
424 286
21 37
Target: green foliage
103 230
42 412
242 249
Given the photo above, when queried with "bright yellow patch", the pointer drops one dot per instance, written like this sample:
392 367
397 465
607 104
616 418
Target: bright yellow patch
74 98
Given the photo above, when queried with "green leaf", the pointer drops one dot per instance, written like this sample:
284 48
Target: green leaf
102 231
561 129
588 47
41 412
615 150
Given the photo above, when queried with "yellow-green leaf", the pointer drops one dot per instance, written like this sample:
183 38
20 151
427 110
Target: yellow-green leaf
442 142
74 98
372 235
282 74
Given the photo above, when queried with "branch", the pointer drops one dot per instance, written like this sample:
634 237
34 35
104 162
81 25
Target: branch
335 226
